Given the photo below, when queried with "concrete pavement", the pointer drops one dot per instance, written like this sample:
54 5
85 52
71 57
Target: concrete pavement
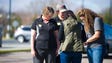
23 56
16 57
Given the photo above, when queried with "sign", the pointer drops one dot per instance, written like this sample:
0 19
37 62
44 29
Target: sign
15 23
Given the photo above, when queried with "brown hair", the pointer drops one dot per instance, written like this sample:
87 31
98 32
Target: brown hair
89 18
71 14
47 10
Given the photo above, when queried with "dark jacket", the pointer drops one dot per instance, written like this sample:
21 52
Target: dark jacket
71 38
58 22
46 38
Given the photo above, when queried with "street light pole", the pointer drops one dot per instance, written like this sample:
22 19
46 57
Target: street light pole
82 4
62 1
10 10
9 19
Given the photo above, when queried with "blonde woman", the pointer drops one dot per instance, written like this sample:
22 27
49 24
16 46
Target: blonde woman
93 25
44 37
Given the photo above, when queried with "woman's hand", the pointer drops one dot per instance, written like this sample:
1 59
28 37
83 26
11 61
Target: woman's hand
33 53
86 43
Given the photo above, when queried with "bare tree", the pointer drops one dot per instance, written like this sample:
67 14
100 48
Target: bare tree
26 17
36 6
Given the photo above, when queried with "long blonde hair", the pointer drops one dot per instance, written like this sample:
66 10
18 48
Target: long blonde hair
89 17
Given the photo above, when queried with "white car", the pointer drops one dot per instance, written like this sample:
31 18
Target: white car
23 33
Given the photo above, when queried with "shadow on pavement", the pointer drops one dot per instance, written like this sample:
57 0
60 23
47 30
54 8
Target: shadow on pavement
107 57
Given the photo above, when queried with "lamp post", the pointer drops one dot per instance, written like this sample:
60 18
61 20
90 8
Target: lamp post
82 4
10 10
9 19
62 1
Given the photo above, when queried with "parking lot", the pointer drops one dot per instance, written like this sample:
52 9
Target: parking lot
25 57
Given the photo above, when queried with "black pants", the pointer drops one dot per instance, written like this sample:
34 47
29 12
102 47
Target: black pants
44 54
58 59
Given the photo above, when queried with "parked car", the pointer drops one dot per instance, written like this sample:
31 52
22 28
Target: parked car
108 37
22 33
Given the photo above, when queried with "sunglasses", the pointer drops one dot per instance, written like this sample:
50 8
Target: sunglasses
81 15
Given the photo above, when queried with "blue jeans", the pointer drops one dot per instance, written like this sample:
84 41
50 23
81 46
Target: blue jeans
96 54
70 57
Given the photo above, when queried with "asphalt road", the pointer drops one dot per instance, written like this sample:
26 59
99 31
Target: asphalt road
25 57
13 44
18 57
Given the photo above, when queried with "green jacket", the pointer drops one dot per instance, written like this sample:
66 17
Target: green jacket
72 33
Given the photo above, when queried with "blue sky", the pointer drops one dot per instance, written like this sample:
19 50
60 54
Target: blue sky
16 4
96 5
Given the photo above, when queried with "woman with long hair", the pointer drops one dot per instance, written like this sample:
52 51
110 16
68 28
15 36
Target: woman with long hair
94 29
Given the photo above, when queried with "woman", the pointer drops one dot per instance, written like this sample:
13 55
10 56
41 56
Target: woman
93 25
44 37
70 37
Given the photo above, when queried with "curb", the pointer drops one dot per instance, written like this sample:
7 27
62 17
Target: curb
14 50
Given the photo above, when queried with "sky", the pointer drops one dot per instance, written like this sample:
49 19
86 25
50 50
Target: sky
95 5
16 4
